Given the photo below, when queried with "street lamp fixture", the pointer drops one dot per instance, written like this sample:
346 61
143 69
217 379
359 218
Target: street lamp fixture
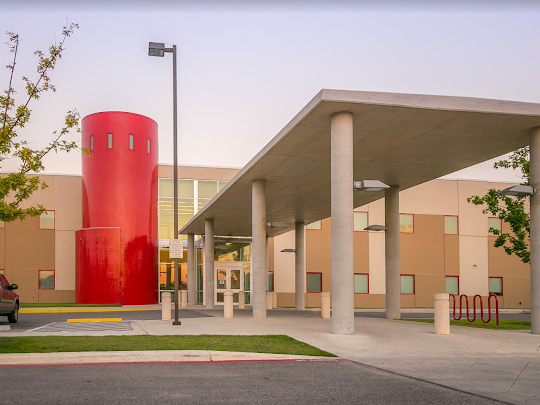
159 49
517 191
288 250
370 185
375 228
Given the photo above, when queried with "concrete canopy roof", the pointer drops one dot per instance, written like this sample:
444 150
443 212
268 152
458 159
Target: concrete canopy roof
399 139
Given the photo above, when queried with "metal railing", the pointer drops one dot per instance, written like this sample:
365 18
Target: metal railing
463 296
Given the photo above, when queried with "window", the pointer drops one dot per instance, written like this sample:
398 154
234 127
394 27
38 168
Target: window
360 221
91 142
361 283
317 225
452 285
496 285
109 141
314 282
130 141
270 281
2 224
407 284
494 226
46 220
406 223
148 146
222 184
450 225
207 189
46 279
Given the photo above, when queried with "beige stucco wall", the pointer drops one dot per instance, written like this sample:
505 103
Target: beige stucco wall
284 263
64 260
473 265
438 197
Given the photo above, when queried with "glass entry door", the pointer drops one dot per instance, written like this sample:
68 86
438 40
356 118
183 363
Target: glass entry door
228 277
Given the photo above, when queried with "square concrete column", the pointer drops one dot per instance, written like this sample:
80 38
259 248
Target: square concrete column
258 254
209 262
534 149
391 249
299 267
191 273
341 153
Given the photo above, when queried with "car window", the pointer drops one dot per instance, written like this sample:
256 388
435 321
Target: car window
3 281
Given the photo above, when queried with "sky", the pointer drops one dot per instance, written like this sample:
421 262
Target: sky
247 68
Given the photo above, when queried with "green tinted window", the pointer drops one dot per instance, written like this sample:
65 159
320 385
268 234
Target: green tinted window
407 284
314 282
207 188
452 285
361 284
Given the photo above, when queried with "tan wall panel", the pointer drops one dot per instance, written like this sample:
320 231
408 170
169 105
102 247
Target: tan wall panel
285 300
361 252
198 173
377 269
28 247
516 292
318 248
327 281
46 197
65 260
270 254
426 286
472 222
56 296
436 197
473 265
284 277
376 212
2 248
423 251
369 300
408 301
27 280
451 255
68 203
313 300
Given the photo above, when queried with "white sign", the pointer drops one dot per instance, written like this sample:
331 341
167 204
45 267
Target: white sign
176 249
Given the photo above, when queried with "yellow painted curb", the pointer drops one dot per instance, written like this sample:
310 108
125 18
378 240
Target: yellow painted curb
59 311
94 320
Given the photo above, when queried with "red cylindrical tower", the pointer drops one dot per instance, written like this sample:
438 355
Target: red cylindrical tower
120 190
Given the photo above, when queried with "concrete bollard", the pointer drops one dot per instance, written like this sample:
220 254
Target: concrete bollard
269 300
241 300
166 305
325 305
274 299
183 298
228 304
442 315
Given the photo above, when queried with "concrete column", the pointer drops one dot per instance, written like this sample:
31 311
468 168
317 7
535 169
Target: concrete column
166 306
191 272
441 306
299 267
209 262
341 153
228 304
534 148
325 305
258 233
391 247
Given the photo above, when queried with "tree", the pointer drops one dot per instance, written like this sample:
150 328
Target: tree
17 187
510 209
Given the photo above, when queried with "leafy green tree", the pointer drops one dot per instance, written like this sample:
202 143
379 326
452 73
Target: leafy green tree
511 210
18 187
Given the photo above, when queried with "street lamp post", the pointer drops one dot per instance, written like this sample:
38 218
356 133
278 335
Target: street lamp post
158 49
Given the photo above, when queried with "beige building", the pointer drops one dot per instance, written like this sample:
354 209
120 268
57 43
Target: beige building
445 246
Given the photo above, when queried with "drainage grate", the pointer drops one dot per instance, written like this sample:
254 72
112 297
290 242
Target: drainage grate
84 327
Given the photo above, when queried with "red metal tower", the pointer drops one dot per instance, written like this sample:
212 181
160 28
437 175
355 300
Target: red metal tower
116 249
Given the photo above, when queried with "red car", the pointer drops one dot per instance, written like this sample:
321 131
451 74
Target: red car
9 300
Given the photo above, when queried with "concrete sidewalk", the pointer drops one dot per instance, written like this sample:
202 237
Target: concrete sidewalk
504 365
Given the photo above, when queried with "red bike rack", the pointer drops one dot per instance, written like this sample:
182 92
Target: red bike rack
463 296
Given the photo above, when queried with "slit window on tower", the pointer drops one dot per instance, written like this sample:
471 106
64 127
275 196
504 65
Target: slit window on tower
91 142
131 142
109 141
148 146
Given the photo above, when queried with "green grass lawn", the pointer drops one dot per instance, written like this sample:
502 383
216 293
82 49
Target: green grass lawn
259 344
505 324
42 305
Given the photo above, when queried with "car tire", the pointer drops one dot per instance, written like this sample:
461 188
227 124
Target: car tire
14 316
